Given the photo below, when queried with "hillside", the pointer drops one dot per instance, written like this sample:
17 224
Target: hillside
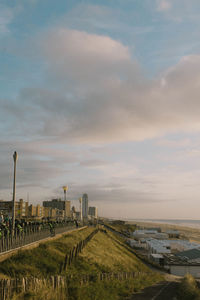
104 253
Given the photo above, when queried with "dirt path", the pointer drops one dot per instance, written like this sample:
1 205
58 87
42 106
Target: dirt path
165 290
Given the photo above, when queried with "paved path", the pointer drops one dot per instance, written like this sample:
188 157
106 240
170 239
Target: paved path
165 290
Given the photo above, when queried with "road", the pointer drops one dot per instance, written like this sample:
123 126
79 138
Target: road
165 290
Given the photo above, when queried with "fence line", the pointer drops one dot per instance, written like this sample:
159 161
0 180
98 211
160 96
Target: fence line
9 287
74 252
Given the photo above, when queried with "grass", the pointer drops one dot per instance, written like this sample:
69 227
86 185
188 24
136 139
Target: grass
105 253
44 260
188 289
125 229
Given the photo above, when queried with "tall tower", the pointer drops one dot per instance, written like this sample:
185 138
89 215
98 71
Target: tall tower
85 206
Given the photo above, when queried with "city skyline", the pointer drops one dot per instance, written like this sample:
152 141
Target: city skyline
103 97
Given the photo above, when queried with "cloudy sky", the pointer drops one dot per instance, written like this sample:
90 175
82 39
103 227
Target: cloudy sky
103 96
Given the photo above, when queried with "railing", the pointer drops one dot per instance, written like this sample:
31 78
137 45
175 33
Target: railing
30 235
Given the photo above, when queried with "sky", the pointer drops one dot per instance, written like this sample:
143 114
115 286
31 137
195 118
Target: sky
102 96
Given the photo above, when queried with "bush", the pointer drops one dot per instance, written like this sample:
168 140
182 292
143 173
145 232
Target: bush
188 289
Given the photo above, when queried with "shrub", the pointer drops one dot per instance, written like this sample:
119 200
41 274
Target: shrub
188 289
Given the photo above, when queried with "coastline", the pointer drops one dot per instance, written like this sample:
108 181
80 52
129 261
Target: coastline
190 233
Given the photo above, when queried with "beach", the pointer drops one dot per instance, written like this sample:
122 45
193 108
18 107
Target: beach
189 233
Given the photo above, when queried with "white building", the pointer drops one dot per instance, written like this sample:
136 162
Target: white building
146 233
85 206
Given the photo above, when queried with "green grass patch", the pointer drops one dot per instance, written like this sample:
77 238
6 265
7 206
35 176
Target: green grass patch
44 260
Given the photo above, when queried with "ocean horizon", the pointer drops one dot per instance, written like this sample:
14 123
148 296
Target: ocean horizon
179 222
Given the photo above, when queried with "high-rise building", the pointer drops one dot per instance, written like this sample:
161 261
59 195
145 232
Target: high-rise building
93 212
85 206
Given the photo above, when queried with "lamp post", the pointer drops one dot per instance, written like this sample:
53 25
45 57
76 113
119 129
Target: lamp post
15 156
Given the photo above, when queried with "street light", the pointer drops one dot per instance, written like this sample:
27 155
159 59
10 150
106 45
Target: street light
15 156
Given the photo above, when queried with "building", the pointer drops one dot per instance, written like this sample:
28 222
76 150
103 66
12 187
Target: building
67 209
6 208
149 233
46 212
59 204
21 209
92 211
186 262
32 211
85 206
191 255
173 234
55 203
36 211
39 211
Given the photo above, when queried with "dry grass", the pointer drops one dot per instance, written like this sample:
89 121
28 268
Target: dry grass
44 260
106 252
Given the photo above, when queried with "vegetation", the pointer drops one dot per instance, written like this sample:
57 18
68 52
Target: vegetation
122 227
44 260
105 253
188 289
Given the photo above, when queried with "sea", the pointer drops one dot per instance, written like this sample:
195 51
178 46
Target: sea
179 222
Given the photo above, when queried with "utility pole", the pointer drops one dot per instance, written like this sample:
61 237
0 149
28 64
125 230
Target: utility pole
15 156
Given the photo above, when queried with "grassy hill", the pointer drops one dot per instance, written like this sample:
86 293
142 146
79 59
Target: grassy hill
105 253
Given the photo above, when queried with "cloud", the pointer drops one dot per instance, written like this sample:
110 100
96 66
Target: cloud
95 163
109 193
163 5
6 17
174 143
77 55
95 93
39 162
